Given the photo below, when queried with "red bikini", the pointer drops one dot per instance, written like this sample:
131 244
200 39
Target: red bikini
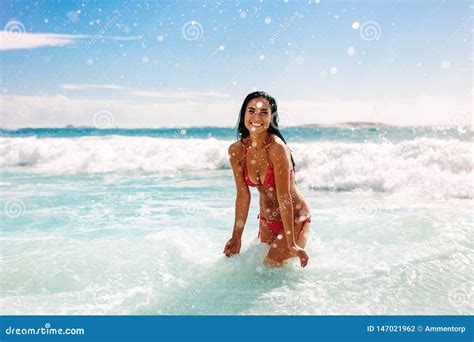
269 181
276 226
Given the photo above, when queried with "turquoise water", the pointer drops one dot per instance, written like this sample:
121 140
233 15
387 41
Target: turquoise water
135 221
350 134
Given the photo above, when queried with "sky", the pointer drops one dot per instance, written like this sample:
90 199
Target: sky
191 63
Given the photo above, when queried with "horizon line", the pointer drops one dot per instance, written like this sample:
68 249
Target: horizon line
346 124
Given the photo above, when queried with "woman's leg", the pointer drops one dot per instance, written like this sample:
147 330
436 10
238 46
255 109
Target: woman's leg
279 251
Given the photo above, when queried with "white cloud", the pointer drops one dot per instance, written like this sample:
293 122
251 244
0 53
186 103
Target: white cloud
35 40
121 38
158 95
181 94
24 40
87 86
420 110
59 110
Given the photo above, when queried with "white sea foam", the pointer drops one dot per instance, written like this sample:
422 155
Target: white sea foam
110 154
396 267
423 167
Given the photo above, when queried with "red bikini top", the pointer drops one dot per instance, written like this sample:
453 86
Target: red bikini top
269 180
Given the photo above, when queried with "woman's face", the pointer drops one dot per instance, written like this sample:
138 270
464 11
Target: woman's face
258 115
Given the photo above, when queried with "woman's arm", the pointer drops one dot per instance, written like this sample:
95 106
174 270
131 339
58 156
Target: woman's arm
281 159
242 201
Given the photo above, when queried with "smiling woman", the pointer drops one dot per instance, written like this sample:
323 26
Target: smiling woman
261 159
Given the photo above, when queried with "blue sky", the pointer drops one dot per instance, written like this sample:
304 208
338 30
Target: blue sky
152 64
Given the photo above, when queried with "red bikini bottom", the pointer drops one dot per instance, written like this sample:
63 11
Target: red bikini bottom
276 226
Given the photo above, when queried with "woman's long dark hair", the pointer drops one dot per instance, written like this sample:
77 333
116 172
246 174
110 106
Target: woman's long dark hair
243 132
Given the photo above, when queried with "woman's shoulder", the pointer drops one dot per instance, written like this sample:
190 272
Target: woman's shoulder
235 148
276 147
276 142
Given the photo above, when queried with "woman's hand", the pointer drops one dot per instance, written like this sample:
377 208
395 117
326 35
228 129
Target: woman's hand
300 253
232 247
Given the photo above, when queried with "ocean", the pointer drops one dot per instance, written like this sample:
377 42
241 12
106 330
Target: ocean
134 221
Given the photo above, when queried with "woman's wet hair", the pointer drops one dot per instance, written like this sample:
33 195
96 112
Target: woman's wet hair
243 132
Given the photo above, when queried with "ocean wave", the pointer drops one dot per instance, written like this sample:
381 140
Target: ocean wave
112 154
423 167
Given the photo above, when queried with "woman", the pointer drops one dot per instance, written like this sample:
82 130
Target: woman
261 158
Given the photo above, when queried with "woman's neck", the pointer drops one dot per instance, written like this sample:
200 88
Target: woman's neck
258 140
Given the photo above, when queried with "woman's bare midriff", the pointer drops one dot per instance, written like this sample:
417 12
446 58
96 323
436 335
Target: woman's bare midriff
269 205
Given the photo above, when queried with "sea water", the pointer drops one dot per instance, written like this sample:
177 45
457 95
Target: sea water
134 221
